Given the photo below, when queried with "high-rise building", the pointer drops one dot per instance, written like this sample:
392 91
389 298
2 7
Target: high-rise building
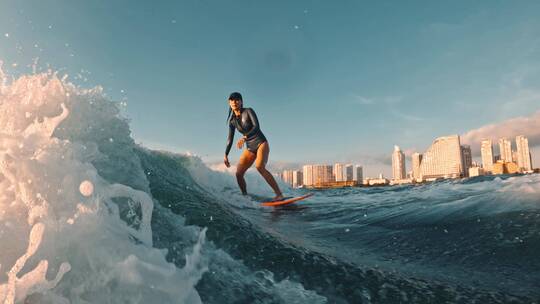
416 160
323 174
338 172
486 150
398 164
348 172
297 179
523 153
307 175
466 156
443 158
505 148
359 174
317 174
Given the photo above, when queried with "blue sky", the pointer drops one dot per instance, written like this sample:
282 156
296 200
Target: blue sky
329 80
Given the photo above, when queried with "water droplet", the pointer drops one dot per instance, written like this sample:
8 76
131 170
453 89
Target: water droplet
86 188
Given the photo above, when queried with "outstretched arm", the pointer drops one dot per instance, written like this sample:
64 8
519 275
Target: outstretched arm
254 121
229 139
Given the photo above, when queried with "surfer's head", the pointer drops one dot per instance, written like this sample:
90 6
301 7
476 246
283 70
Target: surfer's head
235 100
235 103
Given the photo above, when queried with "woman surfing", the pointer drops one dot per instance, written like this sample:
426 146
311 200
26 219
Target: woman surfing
257 148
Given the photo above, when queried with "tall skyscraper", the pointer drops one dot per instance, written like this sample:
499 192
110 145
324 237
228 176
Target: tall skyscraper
348 172
338 172
523 153
466 156
398 164
323 174
505 147
317 174
486 150
359 173
443 158
307 172
416 160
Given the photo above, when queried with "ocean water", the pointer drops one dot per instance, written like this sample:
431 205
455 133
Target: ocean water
88 216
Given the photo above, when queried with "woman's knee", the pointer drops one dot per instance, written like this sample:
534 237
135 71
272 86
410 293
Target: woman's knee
240 173
261 168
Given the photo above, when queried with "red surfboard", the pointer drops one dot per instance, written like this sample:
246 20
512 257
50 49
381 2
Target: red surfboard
286 201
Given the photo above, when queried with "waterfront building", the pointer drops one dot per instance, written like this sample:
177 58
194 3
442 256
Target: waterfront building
381 181
401 181
398 164
466 156
297 179
349 172
486 151
442 159
359 174
476 171
502 167
316 174
512 168
416 160
523 154
323 174
338 172
505 149
307 175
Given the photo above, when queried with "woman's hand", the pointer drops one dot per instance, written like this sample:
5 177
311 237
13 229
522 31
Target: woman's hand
226 161
241 142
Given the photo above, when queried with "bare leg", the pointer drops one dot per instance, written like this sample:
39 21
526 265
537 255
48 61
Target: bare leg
260 164
246 160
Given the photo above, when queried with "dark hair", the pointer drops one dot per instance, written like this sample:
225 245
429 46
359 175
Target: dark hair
234 96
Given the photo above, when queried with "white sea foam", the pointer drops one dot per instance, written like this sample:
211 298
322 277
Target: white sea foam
63 238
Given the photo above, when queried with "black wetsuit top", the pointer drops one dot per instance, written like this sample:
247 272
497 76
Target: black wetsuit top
247 124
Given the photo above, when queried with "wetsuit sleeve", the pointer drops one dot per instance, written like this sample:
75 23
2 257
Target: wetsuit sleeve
230 138
254 123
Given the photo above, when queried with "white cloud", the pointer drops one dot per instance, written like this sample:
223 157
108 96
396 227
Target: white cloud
405 116
363 100
528 126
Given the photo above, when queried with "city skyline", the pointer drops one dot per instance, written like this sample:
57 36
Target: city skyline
445 158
